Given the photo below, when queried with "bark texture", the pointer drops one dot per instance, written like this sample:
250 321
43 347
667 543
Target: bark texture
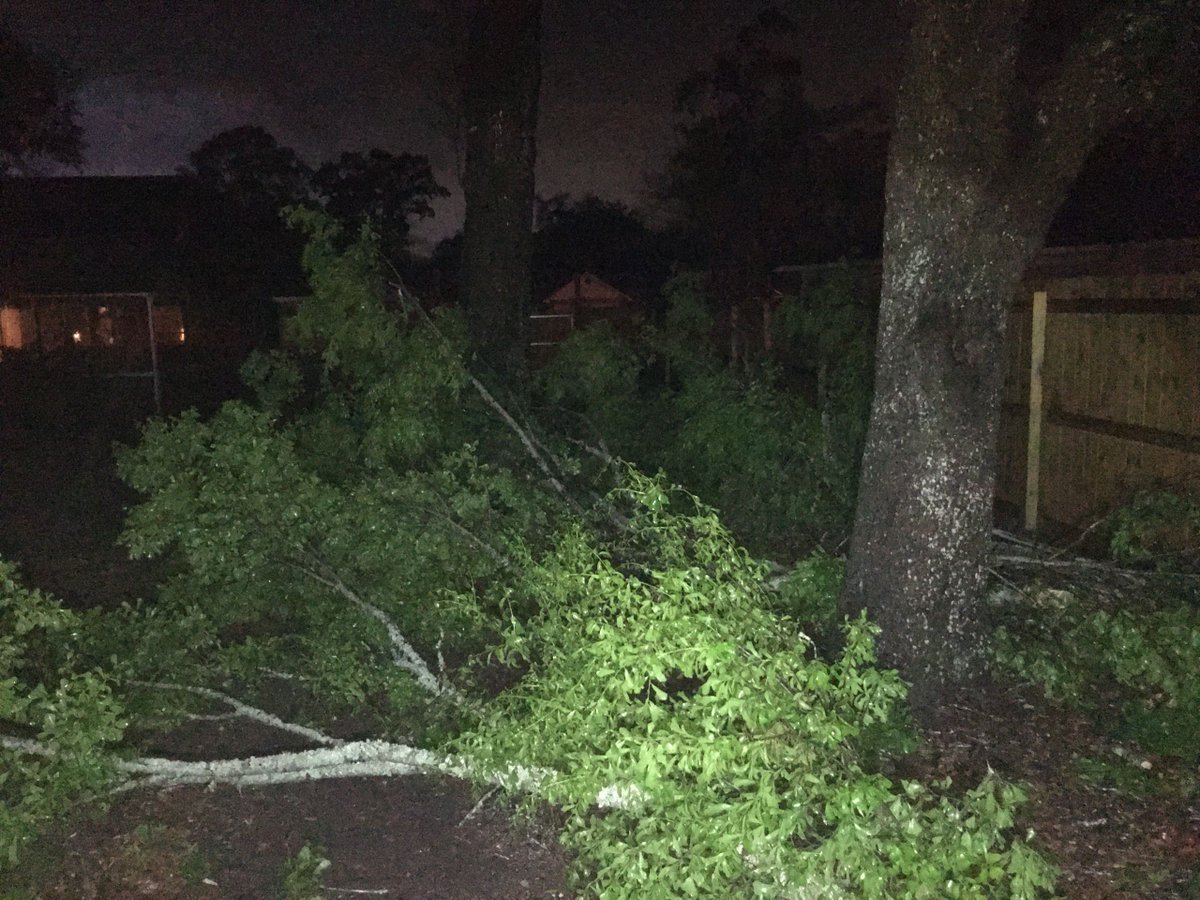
980 159
503 73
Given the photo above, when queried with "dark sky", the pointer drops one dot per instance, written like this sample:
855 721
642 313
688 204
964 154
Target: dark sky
158 77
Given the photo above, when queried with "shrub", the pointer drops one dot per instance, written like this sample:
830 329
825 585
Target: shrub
782 473
1159 527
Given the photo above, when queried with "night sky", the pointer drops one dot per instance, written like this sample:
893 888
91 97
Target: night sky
158 77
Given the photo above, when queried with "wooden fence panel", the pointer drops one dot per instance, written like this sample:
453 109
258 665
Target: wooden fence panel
1121 400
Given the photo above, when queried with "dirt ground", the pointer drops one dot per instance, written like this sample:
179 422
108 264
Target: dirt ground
60 511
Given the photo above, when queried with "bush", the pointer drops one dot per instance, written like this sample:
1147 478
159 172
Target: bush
702 746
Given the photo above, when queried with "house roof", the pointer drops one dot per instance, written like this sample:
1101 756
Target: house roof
588 290
91 234
118 234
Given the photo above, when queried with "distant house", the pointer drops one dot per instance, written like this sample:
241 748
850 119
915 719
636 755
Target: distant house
85 265
582 301
101 264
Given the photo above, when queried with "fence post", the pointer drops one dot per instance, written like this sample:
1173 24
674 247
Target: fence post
153 354
1033 459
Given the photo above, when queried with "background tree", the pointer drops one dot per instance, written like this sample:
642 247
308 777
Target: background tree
37 116
501 79
245 252
249 165
603 237
763 177
387 190
987 141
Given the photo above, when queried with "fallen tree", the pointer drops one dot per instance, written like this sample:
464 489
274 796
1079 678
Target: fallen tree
669 694
375 534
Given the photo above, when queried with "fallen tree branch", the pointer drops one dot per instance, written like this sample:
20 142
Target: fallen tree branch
526 439
351 759
404 655
25 745
244 710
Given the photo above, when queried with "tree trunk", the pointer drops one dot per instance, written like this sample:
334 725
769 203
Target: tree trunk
921 533
503 72
979 162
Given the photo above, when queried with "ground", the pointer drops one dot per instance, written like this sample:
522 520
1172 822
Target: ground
1116 829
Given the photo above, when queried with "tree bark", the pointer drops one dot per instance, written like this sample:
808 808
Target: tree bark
978 164
503 73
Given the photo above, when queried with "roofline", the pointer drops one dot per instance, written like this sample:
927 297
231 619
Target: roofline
1054 253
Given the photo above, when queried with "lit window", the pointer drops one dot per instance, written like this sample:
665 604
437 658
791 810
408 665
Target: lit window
182 335
77 337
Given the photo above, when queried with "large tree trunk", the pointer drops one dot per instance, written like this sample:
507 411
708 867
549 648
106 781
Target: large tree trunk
924 515
503 72
978 164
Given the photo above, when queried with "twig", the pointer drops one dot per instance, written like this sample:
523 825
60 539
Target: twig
524 436
1009 583
1080 563
497 557
333 890
599 452
246 711
1080 539
1010 538
478 806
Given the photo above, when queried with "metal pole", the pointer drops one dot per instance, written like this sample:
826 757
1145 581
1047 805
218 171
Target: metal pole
153 354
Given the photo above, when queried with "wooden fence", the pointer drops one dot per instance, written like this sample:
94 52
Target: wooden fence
1102 392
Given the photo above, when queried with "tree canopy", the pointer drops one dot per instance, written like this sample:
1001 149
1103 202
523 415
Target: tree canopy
248 164
388 191
761 175
385 191
38 119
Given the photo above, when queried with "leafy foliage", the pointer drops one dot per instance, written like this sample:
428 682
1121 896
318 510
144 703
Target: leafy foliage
781 469
304 874
831 328
1146 662
808 592
1159 527
50 695
660 685
351 476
